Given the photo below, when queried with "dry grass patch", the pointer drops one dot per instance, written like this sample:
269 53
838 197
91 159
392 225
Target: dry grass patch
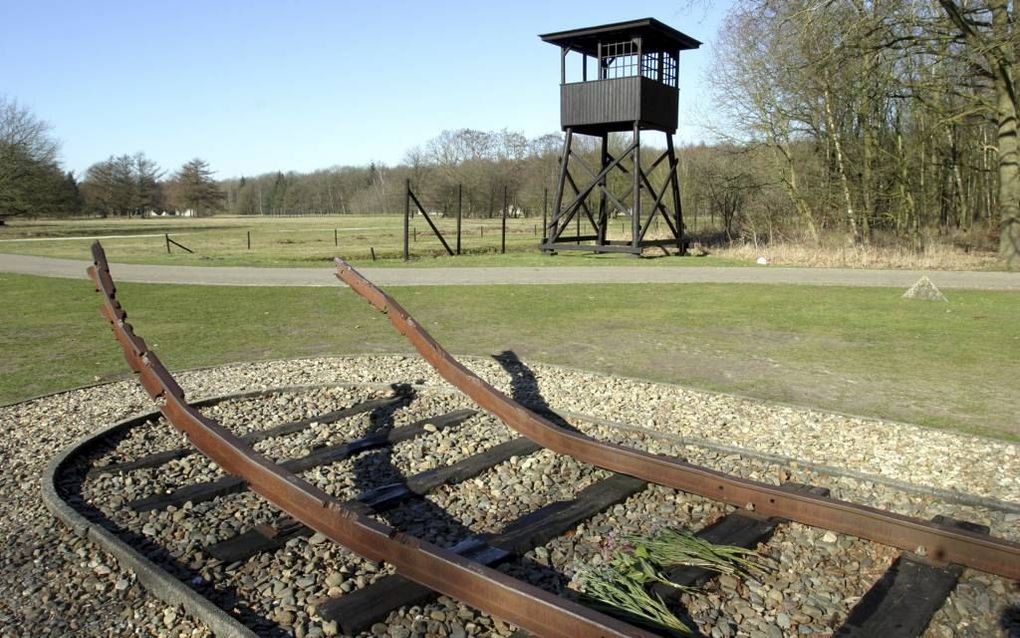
935 256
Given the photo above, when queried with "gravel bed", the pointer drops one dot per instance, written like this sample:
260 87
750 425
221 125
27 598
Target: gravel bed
54 582
498 496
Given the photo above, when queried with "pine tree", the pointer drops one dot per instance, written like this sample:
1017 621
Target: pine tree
196 189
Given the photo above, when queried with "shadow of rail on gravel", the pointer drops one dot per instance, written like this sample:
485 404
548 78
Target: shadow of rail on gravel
419 517
1010 619
524 388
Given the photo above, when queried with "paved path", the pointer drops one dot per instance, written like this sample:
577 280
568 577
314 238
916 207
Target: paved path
239 276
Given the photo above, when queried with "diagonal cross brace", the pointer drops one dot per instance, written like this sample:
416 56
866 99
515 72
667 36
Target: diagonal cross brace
571 208
429 220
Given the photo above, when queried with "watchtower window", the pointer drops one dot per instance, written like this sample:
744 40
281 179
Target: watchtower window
619 60
659 66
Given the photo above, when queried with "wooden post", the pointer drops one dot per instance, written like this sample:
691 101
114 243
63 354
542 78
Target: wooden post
336 237
249 240
554 233
167 237
372 249
603 218
635 217
407 221
414 230
502 246
460 204
674 180
635 214
545 213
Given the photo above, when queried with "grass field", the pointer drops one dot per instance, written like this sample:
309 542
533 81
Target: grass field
305 241
859 350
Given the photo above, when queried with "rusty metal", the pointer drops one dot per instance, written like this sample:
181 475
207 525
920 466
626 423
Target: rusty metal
940 543
442 570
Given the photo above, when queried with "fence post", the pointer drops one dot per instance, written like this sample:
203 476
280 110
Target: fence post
407 220
336 237
249 240
167 237
502 245
460 204
545 213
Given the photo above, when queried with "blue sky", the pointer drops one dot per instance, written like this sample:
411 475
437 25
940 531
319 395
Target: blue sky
254 87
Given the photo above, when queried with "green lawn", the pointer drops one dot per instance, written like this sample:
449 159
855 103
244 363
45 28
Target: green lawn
860 350
305 241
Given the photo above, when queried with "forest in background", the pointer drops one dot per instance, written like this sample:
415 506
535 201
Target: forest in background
844 122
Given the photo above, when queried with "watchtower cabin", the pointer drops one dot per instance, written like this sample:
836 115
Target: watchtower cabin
627 82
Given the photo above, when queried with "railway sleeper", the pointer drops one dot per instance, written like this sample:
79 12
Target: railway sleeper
271 537
231 484
358 610
291 427
903 601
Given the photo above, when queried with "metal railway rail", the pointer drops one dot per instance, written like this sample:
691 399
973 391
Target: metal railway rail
899 605
938 542
466 578
440 569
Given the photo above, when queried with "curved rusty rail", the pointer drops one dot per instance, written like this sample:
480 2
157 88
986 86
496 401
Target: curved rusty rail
442 570
940 543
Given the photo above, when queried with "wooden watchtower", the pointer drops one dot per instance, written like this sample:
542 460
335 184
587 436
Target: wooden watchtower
631 87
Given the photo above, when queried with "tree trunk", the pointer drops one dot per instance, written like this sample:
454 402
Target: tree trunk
1000 53
1009 181
1008 144
867 180
789 178
855 235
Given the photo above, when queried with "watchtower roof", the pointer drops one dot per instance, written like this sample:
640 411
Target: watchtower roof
654 35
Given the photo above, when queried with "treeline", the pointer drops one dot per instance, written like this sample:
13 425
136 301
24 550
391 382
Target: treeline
475 166
32 181
896 117
135 185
